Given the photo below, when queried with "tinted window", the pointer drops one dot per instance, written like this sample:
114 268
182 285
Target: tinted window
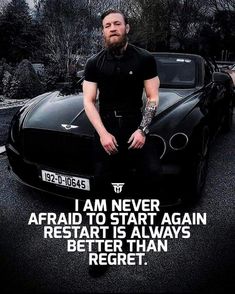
176 72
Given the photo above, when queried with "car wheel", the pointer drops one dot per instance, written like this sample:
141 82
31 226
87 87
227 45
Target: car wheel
197 170
228 120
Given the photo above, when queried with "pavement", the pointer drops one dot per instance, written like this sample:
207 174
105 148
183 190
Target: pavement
6 115
8 108
9 103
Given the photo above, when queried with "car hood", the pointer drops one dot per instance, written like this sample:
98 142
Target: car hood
59 113
66 113
169 98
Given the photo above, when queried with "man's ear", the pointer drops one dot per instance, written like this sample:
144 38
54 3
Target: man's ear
127 28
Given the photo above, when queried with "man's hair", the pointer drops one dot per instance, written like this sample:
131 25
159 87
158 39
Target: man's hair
109 11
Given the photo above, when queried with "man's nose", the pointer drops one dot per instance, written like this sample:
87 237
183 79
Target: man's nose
113 27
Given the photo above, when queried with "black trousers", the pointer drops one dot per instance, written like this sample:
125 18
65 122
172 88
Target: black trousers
139 169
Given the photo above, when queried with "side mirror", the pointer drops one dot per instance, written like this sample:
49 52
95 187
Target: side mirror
221 77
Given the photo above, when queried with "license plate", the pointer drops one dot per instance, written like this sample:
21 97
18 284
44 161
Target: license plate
65 180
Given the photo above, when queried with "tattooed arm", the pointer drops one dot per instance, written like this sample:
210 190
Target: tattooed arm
151 86
148 115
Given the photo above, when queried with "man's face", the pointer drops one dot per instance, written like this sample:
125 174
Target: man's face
115 30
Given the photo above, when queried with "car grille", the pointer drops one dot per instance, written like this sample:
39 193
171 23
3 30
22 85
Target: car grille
57 150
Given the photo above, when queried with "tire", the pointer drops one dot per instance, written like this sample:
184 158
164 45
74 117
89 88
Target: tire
228 120
196 170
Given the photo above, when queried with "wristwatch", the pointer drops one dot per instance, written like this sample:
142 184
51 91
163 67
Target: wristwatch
144 130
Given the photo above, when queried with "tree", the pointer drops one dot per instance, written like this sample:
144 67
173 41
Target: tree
145 21
16 32
3 4
188 17
66 32
24 83
224 25
226 5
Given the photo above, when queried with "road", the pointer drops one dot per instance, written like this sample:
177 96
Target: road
203 263
5 119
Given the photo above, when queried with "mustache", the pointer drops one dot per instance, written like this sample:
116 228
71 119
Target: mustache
114 34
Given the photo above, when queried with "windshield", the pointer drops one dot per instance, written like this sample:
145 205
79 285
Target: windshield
175 72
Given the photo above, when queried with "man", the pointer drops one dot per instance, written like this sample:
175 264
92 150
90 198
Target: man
119 73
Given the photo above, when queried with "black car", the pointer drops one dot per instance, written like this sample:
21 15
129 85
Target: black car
51 140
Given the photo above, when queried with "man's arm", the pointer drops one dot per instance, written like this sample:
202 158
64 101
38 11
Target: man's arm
152 94
151 87
107 140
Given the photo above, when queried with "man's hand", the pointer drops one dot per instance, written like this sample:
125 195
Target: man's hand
109 143
137 140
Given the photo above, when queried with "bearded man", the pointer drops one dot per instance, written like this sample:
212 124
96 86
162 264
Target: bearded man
119 73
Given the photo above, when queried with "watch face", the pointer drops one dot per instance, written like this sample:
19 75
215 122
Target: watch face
146 130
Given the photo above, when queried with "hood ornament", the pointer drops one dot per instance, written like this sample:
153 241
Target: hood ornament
68 127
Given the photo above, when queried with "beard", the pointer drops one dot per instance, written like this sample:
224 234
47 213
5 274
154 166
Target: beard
116 48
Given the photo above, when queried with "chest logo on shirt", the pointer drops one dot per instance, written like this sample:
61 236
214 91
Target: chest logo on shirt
130 72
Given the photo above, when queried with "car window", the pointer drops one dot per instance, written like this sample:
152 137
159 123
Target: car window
176 72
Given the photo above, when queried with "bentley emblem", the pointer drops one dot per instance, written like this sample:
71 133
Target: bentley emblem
118 187
68 127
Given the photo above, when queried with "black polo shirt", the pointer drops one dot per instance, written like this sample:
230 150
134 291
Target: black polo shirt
120 80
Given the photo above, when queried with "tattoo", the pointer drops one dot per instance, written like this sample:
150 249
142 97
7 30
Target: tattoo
149 112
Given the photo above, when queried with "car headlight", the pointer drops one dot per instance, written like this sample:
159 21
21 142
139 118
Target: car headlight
160 143
178 141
